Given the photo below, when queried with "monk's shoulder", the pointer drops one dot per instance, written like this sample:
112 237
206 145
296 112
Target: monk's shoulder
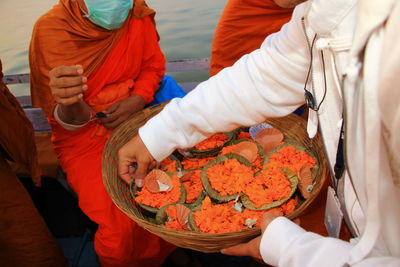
54 16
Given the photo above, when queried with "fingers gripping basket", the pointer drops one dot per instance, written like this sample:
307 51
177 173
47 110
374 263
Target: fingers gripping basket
292 126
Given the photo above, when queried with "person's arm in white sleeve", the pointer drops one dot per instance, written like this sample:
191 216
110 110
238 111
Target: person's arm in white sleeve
266 83
284 243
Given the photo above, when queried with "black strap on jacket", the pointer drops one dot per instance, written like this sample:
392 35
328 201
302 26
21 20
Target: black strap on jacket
340 163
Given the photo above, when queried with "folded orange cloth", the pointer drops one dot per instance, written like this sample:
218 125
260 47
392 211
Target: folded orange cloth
16 133
25 239
243 26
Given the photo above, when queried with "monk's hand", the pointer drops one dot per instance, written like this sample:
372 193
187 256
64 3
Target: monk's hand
252 248
134 153
67 84
122 110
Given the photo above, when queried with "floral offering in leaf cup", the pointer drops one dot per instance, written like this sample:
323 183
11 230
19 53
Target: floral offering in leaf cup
211 146
153 201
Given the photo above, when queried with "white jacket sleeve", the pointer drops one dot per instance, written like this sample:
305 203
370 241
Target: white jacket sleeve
266 83
284 243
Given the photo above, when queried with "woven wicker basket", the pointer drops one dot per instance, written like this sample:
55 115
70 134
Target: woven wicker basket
292 126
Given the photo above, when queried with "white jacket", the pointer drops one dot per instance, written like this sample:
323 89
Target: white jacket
269 83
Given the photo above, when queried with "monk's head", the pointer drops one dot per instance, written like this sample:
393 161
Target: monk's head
288 3
108 14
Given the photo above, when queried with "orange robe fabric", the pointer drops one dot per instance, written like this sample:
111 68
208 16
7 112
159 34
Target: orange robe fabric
243 26
118 63
17 138
25 239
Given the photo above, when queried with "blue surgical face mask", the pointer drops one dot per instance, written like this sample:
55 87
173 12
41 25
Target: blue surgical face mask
108 14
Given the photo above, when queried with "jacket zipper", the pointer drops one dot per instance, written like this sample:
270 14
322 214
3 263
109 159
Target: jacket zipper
347 170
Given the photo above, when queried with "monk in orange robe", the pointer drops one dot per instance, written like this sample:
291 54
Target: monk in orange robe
79 68
243 26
